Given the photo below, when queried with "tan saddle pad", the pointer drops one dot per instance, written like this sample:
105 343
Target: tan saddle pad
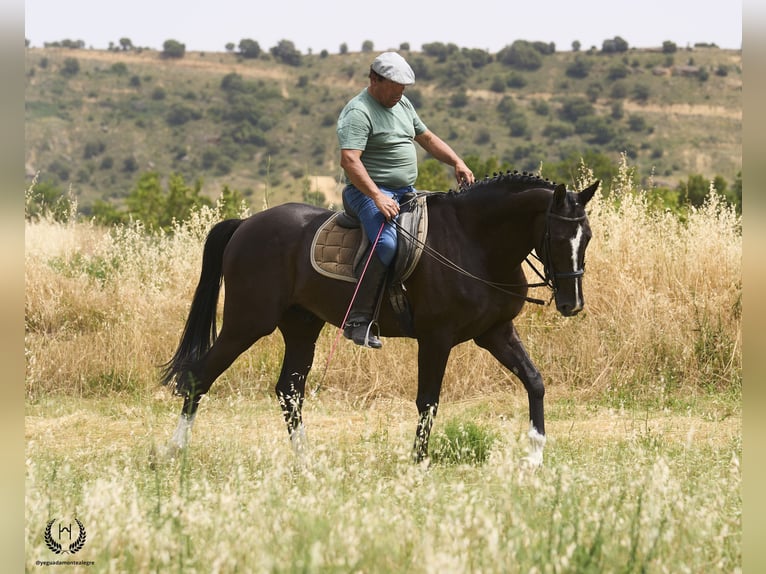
336 250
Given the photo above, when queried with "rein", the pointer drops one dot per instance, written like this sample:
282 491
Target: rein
503 287
548 277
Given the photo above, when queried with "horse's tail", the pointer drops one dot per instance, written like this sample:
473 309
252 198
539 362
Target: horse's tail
200 331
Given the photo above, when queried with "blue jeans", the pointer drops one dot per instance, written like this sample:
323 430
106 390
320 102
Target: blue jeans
372 219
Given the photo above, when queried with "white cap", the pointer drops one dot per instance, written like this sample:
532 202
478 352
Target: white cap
392 66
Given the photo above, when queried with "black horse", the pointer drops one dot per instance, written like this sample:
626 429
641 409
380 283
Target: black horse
485 232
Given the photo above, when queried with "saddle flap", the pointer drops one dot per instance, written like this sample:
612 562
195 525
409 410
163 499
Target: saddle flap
335 249
338 248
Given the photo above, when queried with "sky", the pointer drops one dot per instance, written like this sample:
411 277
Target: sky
316 25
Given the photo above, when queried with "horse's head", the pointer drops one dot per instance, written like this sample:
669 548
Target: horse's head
563 244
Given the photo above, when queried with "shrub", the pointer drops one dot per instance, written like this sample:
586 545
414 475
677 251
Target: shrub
462 443
641 92
497 85
93 148
119 68
71 67
580 68
619 90
516 80
459 99
575 107
541 107
616 72
180 114
636 123
558 130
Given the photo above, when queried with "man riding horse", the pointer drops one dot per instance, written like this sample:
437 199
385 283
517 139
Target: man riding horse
376 131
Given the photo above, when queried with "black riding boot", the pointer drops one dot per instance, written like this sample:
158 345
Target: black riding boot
357 328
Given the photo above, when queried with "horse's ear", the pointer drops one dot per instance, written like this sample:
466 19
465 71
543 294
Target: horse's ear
559 194
587 194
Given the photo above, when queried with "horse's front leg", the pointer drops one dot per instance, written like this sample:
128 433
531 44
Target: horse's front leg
504 344
432 361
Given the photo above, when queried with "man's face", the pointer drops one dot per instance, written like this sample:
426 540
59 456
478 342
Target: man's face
387 93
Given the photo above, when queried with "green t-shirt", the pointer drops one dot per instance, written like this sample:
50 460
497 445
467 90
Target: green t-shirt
386 137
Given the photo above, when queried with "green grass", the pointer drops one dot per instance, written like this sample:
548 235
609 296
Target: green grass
616 496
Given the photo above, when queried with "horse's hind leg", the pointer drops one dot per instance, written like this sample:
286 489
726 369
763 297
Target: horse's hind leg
237 334
300 330
505 345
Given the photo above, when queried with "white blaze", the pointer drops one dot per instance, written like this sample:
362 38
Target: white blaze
575 243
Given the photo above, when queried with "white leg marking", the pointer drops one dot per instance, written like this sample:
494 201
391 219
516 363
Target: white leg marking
300 444
575 242
534 458
180 438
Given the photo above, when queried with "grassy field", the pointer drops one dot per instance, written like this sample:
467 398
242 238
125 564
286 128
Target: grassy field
621 490
642 466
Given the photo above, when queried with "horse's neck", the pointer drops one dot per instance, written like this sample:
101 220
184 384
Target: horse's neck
503 211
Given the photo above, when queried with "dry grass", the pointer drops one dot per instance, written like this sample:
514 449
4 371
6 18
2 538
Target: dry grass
662 319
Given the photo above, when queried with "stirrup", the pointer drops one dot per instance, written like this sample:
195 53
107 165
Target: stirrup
361 334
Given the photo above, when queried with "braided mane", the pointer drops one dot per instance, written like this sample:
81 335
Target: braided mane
523 180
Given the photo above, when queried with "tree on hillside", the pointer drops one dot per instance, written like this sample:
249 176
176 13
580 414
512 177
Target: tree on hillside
249 48
173 49
343 48
522 55
614 45
126 44
439 50
286 51
149 203
367 46
696 188
478 58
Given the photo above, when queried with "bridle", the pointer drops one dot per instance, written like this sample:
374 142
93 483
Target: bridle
552 277
548 278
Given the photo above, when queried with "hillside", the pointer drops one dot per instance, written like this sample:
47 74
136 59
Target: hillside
96 120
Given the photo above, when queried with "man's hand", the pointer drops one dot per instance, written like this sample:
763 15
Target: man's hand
463 175
386 205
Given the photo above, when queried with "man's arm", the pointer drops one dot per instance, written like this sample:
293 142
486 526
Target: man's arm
440 150
351 162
